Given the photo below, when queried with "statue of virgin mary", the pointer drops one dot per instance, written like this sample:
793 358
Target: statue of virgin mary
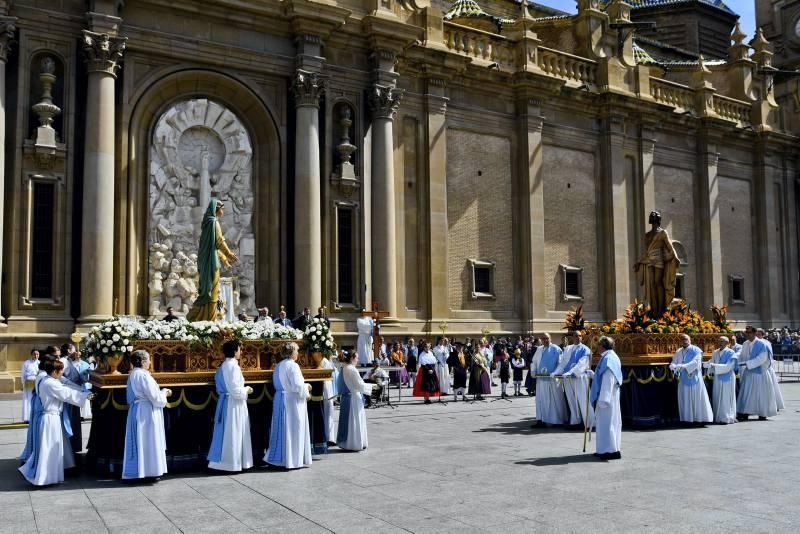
213 253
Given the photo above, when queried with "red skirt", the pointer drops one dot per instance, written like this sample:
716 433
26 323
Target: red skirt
418 384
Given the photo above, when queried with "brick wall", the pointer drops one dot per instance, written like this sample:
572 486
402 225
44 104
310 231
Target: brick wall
479 216
570 227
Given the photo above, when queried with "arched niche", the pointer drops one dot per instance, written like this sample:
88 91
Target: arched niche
161 92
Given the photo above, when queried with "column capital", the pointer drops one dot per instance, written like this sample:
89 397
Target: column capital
384 101
307 87
8 28
103 52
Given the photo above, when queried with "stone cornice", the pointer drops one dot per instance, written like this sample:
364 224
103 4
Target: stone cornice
307 87
103 52
314 18
384 101
7 30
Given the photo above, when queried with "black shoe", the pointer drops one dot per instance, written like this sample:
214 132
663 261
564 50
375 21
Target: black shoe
762 418
427 401
539 424
610 456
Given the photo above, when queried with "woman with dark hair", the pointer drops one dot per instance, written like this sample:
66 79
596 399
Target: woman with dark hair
427 384
145 444
45 465
352 432
231 449
289 435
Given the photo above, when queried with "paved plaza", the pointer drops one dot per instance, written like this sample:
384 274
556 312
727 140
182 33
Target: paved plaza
454 468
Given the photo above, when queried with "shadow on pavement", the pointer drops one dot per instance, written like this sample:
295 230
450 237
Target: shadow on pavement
524 427
560 460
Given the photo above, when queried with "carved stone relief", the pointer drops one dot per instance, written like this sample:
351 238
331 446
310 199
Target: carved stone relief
199 150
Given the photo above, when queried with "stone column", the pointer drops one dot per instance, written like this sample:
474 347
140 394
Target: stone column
103 53
532 252
384 101
769 266
436 170
307 88
7 30
618 262
709 253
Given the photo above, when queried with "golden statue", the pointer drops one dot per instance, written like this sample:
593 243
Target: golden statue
212 254
658 268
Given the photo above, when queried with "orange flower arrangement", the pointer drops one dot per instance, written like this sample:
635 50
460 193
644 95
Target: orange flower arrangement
678 319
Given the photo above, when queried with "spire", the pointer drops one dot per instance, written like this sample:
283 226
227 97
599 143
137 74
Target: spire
762 55
738 51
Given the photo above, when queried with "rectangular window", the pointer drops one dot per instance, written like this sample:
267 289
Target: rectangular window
482 279
42 240
344 252
736 289
571 283
679 286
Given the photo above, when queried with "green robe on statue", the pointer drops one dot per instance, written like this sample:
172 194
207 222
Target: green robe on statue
213 253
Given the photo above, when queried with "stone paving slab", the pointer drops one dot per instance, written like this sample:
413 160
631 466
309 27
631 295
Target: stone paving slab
455 467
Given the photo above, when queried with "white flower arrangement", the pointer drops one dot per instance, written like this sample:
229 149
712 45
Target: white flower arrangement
319 338
118 336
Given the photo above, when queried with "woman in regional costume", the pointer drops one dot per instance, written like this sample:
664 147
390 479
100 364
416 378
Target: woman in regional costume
480 383
723 366
145 443
30 368
352 432
212 254
289 435
604 398
459 374
398 360
45 465
317 419
427 383
231 449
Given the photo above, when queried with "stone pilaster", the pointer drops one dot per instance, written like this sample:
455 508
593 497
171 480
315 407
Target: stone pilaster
436 171
307 87
7 30
103 54
767 249
383 102
532 252
614 201
709 251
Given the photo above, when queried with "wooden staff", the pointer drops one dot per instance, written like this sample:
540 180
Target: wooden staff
586 415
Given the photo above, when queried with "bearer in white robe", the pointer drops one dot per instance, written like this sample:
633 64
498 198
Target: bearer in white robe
30 368
772 374
329 393
352 431
231 448
577 360
289 435
722 367
605 400
45 465
693 403
365 327
756 391
145 443
442 353
551 403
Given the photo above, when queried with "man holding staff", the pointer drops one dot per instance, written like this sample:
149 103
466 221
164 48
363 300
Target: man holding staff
605 400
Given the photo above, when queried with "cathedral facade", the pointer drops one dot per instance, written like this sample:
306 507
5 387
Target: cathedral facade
467 166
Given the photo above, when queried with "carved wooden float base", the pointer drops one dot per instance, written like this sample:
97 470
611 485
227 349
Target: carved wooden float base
650 349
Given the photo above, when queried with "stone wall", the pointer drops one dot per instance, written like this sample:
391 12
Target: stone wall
675 199
479 217
738 249
570 224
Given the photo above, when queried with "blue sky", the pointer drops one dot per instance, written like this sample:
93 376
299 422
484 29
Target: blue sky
744 8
